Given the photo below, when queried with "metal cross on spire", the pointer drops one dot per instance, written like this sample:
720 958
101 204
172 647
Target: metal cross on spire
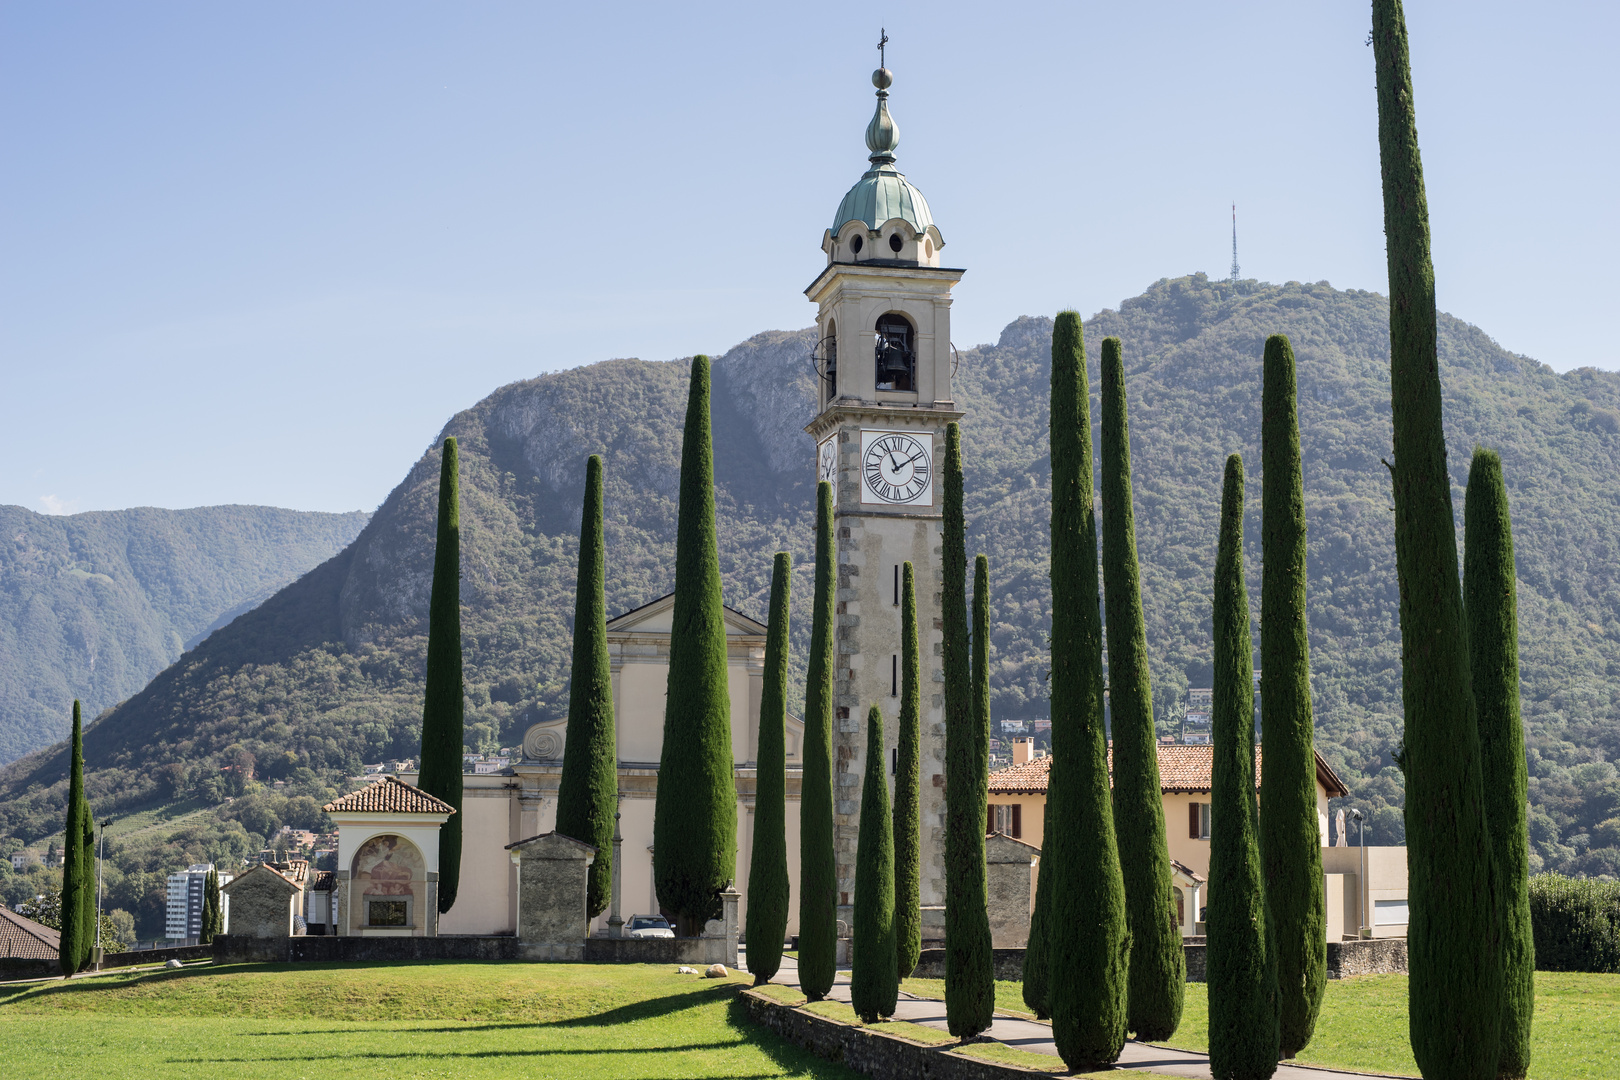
884 35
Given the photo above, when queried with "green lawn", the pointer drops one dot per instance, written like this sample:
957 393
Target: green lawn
1009 995
398 1020
1364 1024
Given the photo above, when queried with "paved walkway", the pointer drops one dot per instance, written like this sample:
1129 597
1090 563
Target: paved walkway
1036 1037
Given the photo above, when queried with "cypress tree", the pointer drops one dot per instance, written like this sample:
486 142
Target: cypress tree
443 728
78 886
1290 838
588 794
818 866
1088 942
768 868
874 982
695 817
1242 968
907 767
1454 937
969 965
1490 603
1158 965
213 921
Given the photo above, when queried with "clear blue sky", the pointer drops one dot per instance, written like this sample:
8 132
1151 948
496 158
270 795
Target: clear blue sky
259 253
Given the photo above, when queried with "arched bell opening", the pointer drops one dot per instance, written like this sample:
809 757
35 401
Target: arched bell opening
896 353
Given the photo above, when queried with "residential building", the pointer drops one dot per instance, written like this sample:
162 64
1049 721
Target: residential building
1018 809
185 906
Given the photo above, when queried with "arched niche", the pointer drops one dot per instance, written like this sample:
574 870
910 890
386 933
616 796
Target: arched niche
895 353
388 883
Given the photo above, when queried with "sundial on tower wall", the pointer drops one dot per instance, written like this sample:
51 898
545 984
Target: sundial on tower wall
885 363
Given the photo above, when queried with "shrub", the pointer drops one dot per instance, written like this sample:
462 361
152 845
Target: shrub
1576 923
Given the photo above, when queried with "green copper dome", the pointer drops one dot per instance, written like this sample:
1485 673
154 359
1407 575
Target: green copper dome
883 192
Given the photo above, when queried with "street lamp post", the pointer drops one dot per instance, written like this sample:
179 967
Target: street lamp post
101 851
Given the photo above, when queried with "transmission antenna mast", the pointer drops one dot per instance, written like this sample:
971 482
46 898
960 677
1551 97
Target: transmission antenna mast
1234 277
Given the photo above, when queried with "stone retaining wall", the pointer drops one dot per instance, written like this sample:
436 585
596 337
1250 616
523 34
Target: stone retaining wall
875 1053
1370 956
695 951
1009 964
156 956
1345 960
229 949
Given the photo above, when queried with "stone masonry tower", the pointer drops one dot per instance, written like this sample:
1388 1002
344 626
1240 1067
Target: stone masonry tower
885 361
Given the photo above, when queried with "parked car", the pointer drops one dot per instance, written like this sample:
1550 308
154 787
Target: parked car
648 926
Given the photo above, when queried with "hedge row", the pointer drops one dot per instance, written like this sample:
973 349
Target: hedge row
1576 923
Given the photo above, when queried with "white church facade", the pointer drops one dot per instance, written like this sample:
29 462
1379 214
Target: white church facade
499 809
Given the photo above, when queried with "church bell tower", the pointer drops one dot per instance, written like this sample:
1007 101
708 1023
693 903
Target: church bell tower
885 362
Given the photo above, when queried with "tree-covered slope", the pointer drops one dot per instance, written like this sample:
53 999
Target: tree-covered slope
93 605
328 672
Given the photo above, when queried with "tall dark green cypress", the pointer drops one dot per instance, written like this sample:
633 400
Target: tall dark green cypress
443 723
1290 837
767 865
78 886
695 817
1088 940
213 918
907 796
588 794
1242 968
1158 965
1490 603
969 963
1454 937
874 981
818 865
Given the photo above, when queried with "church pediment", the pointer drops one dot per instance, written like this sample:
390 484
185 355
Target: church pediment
658 617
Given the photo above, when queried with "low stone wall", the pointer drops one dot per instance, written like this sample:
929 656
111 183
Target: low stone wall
1345 960
695 951
156 956
17 967
1369 956
229 949
875 1053
1009 964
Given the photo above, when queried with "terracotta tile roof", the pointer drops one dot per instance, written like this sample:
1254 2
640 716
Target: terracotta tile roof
1182 770
389 795
322 880
26 939
294 870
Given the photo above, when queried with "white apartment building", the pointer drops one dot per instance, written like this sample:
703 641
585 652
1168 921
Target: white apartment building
185 907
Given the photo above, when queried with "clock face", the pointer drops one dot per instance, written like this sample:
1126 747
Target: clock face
896 468
827 463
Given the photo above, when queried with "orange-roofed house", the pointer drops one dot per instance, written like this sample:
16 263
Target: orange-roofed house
1018 809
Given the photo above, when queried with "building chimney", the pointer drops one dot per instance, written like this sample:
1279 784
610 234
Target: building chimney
1023 751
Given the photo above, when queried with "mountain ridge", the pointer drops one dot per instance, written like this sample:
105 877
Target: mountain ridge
93 605
328 670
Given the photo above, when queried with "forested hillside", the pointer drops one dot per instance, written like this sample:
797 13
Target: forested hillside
93 605
328 671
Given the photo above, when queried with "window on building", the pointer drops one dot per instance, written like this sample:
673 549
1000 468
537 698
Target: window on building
1389 913
387 913
1198 821
895 354
1007 820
